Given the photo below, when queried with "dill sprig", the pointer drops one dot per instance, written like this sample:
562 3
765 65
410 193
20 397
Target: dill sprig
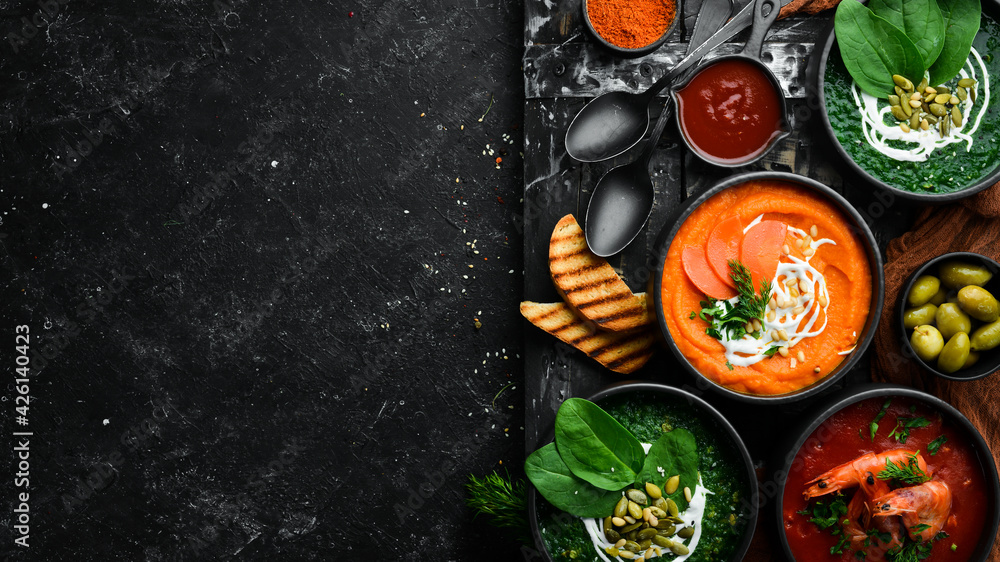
731 319
910 473
504 500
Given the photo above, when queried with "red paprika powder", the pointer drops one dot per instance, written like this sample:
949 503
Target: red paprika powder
631 24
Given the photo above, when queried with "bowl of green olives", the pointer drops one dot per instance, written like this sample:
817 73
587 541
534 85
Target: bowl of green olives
950 316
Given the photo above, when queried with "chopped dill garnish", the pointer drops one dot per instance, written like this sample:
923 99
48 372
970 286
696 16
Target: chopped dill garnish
909 474
731 319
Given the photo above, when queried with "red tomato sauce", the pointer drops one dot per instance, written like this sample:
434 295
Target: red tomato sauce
730 111
837 441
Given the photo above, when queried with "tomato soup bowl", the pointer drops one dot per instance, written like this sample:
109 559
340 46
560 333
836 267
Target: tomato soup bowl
729 461
989 361
825 70
828 438
837 364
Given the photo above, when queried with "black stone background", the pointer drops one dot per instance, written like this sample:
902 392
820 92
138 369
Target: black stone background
251 278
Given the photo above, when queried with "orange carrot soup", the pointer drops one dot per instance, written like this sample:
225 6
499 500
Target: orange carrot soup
766 288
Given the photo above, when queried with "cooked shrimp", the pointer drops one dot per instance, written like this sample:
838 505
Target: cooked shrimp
849 474
925 504
858 520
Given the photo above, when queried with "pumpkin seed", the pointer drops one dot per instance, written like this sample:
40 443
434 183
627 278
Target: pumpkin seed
902 82
931 119
672 508
914 104
893 99
657 512
898 113
907 109
673 519
899 91
972 94
621 508
646 543
938 109
966 82
679 549
914 121
629 528
929 98
686 532
613 536
672 484
923 84
666 528
944 127
632 545
631 535
956 116
647 534
660 503
942 90
660 540
962 93
653 490
634 510
942 98
637 496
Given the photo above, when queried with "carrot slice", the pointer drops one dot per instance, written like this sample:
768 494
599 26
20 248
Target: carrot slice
700 273
724 245
761 250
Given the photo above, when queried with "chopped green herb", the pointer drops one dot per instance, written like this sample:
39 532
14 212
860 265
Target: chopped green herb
879 416
920 527
934 445
903 426
730 365
731 319
909 474
771 351
954 547
826 515
693 315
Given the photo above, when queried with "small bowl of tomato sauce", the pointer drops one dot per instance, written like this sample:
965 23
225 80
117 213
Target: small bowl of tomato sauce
731 111
885 472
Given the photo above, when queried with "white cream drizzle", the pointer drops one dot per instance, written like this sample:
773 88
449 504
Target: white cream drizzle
694 513
749 350
878 132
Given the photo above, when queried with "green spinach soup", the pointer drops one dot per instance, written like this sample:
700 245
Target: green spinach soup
720 507
870 135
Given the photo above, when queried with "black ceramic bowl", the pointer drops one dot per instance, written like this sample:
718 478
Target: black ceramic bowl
826 48
989 361
806 429
859 227
541 513
622 51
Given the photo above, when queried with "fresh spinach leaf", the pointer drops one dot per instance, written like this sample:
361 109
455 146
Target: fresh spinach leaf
961 20
675 452
873 49
557 484
595 446
920 20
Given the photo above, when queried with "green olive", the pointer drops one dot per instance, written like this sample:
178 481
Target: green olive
986 337
958 274
978 303
923 289
921 315
950 320
927 342
954 354
973 358
939 297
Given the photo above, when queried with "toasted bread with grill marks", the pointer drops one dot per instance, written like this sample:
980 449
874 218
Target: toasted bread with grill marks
589 284
622 352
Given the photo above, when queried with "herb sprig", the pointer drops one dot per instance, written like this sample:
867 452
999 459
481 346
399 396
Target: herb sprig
909 474
881 413
504 500
725 317
903 426
934 445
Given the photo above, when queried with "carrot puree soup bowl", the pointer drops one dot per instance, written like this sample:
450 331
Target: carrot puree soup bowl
849 459
944 311
825 286
716 523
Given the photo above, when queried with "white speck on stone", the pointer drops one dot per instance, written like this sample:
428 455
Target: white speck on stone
45 205
274 163
106 421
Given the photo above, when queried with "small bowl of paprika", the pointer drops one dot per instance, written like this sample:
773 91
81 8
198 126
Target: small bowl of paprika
631 28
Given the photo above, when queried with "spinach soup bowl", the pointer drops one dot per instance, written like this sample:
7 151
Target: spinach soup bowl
843 255
954 171
884 421
719 522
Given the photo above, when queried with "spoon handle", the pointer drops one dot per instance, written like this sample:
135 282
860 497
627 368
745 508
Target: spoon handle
654 137
711 16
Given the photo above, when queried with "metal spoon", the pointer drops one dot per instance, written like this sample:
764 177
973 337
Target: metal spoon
623 199
615 122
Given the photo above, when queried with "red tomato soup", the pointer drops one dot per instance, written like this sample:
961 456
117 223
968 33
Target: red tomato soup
730 111
840 440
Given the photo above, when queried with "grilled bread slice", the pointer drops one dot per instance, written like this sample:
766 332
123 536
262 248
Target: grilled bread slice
622 352
589 284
